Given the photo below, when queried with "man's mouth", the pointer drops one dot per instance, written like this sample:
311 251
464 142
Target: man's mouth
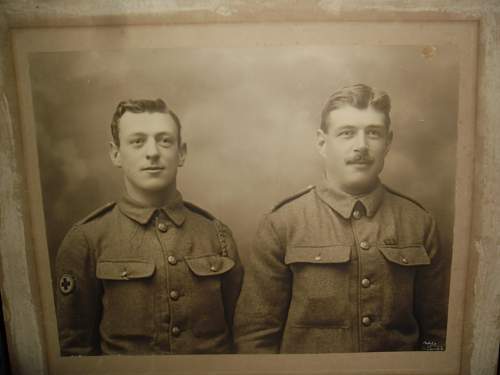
152 168
360 162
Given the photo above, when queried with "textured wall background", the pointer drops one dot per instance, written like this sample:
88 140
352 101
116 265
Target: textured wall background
249 117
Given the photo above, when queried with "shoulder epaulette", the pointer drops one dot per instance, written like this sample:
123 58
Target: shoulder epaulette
292 197
405 197
98 212
198 210
219 227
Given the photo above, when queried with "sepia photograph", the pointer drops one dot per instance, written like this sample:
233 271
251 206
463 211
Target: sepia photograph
241 198
345 167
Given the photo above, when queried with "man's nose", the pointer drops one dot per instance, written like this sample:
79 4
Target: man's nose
360 143
151 149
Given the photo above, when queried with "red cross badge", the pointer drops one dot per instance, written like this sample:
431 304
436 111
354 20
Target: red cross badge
66 283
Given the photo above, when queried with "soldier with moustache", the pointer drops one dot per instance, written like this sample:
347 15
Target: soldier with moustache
348 265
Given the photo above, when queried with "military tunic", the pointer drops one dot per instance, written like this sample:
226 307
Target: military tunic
331 272
138 280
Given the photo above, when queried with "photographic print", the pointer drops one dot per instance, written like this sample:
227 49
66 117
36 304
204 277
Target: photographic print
249 118
233 190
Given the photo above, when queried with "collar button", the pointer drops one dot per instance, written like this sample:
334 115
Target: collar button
162 227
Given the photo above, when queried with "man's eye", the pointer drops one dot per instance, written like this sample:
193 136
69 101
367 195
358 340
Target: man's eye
374 133
346 133
136 142
165 141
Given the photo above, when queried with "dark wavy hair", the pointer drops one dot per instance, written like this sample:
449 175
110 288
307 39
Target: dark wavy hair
141 106
359 96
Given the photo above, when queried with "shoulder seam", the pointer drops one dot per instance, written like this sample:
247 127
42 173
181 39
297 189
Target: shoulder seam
405 197
96 213
292 198
196 209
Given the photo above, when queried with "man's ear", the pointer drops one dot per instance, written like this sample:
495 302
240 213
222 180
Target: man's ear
388 142
321 142
114 154
182 154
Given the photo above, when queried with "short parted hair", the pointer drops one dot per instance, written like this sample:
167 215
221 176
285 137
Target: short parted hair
141 106
359 96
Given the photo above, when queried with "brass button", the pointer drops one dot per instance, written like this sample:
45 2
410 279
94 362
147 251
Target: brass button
317 257
404 260
366 321
176 331
213 268
356 214
174 294
124 274
171 259
162 227
364 245
365 283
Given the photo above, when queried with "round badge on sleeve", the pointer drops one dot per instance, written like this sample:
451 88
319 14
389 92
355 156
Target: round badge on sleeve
66 284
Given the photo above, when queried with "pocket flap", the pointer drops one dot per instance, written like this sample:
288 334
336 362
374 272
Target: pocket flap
323 254
124 269
414 255
209 265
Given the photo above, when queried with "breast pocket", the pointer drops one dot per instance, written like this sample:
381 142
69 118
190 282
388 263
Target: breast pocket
320 292
402 263
128 298
207 302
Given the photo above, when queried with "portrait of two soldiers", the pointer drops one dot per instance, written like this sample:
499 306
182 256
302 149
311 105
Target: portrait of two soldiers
345 265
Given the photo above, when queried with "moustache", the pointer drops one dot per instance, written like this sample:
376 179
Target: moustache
360 159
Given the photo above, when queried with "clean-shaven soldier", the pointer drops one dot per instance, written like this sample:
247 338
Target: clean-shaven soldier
348 265
150 274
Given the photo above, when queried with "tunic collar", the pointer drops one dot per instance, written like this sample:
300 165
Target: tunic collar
173 209
344 203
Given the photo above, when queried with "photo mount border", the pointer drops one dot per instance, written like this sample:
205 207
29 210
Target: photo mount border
25 329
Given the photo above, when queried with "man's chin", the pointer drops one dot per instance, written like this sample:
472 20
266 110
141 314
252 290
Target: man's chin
155 187
360 186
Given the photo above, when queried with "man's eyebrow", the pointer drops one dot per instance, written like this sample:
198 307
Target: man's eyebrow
142 134
344 127
136 134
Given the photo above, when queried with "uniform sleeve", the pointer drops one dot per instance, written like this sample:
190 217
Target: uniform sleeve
262 309
431 294
231 283
78 296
